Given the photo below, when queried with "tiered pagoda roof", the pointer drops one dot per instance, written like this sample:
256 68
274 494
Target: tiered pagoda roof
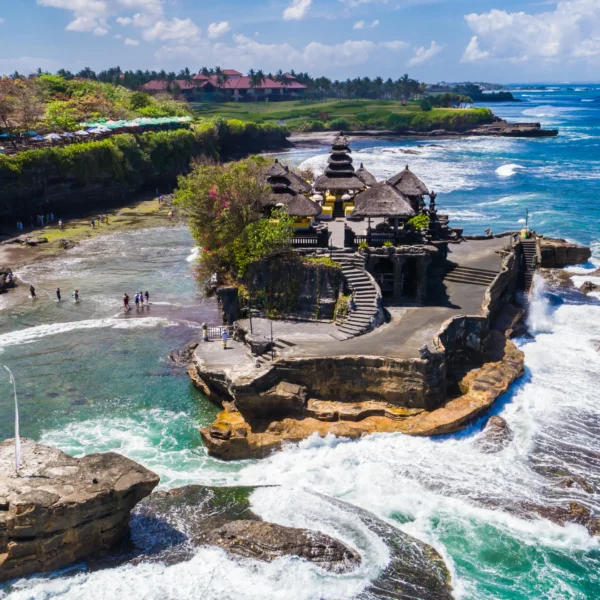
382 200
339 175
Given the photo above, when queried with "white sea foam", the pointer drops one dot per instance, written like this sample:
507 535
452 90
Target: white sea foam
435 485
508 170
194 255
33 334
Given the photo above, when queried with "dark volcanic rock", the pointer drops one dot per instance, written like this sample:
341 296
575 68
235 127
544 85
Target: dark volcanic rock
62 509
588 287
495 436
562 515
167 527
268 541
183 356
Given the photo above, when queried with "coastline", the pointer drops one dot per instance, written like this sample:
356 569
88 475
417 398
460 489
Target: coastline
144 212
499 128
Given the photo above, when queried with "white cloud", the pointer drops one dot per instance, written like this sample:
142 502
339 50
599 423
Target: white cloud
362 24
118 36
297 10
423 55
216 30
1 20
130 42
246 52
92 16
395 46
473 52
175 29
571 31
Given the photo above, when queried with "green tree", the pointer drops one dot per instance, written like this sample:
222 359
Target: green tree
221 202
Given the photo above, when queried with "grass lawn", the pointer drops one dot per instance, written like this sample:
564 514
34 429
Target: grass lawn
294 110
303 115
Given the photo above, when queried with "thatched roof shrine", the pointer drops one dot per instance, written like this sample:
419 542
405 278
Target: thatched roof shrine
382 200
297 205
367 177
409 184
278 175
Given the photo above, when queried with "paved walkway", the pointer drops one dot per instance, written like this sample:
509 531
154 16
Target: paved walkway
411 327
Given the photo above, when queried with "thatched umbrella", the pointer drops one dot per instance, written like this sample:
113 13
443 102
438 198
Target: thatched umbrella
409 184
367 177
297 205
383 200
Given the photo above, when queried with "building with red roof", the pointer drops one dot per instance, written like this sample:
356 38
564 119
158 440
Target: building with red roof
236 87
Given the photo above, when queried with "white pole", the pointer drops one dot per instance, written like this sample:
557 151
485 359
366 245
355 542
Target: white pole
17 436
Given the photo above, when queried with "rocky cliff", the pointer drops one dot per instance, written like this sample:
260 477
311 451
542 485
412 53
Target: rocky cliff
61 509
557 253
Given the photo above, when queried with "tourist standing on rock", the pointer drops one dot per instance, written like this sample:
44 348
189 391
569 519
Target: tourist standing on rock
93 223
32 292
58 296
224 336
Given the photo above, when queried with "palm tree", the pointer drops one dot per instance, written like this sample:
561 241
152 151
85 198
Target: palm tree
221 77
404 85
284 79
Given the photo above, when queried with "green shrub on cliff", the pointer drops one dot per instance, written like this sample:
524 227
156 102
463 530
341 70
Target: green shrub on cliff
126 158
224 208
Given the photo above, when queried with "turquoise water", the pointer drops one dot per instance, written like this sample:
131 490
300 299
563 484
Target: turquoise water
91 379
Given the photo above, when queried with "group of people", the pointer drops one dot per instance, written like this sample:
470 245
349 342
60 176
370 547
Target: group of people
39 221
100 219
74 295
141 299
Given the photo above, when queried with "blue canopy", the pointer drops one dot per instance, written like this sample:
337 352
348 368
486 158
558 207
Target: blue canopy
31 133
6 135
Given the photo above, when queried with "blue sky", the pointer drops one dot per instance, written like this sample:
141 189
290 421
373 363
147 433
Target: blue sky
432 40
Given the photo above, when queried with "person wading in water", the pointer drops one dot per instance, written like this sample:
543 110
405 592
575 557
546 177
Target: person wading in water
147 296
58 297
32 292
126 302
76 295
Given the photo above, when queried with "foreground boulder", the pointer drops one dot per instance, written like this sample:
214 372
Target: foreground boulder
62 509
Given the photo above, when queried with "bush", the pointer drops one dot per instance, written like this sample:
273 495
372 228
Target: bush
399 122
425 104
339 124
419 222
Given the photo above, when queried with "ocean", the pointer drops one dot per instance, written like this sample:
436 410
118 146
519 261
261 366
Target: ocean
92 380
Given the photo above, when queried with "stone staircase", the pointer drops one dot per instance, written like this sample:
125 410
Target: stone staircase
278 346
530 254
365 292
470 275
